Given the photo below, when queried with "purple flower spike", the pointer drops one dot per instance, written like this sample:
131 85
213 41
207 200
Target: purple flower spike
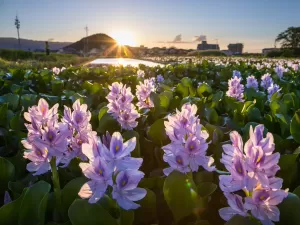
235 89
120 106
266 81
188 147
274 88
252 169
160 78
252 83
125 192
143 91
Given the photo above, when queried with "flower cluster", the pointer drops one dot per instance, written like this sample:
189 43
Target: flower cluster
143 91
160 78
120 106
56 70
48 138
280 70
237 74
108 159
188 147
252 169
140 74
252 82
235 89
273 89
266 81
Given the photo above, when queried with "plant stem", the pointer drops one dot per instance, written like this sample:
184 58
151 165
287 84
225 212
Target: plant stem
56 185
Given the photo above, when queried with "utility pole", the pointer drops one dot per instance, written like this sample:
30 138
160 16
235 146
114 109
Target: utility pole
17 24
86 39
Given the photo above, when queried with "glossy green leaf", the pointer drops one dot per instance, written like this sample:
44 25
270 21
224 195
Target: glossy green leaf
180 194
81 212
157 132
295 126
289 213
7 173
32 209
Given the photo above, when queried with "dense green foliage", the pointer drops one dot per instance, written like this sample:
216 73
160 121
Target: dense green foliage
182 199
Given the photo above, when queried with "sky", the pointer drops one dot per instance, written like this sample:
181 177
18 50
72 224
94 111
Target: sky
255 23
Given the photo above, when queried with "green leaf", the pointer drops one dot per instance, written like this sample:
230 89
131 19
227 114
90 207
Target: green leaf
81 212
11 99
240 220
57 87
9 213
288 168
126 217
70 192
107 123
180 194
28 100
102 112
184 91
211 115
204 90
3 114
157 132
297 191
7 173
16 123
31 208
289 213
42 209
206 188
295 126
146 214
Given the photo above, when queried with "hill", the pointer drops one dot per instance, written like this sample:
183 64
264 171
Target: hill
26 44
98 41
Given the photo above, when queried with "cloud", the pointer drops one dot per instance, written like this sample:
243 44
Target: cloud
199 38
178 38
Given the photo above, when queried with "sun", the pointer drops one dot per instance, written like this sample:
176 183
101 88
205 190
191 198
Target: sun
124 38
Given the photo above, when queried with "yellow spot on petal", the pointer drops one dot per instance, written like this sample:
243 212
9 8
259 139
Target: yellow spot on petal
117 148
239 170
101 172
123 183
262 197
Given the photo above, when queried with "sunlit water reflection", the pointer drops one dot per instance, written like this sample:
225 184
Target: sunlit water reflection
124 62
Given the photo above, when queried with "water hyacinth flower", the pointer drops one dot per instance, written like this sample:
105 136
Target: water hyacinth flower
252 168
125 191
252 82
118 154
48 138
140 74
266 81
120 106
160 78
41 114
274 88
235 89
106 160
143 91
187 150
79 118
237 74
56 70
101 176
280 70
237 207
295 67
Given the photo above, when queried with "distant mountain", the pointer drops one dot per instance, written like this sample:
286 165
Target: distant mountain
26 44
98 41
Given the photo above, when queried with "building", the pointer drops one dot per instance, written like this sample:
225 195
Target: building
265 51
236 49
205 46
